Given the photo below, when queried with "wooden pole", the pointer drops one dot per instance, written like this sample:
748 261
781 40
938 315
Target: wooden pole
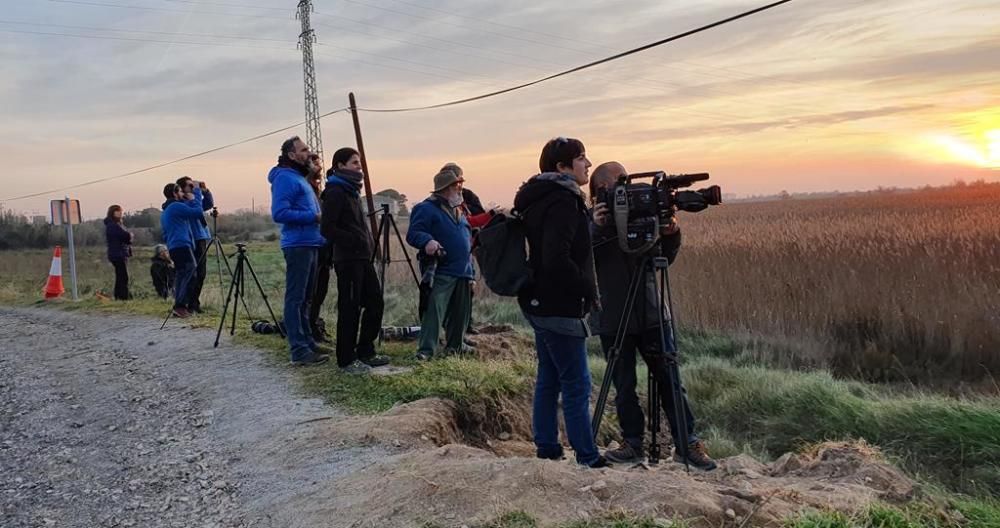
364 167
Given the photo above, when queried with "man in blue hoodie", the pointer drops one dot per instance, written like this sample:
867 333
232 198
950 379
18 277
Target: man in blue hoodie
202 236
175 221
294 205
438 227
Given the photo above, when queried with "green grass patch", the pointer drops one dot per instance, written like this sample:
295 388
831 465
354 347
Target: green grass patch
946 439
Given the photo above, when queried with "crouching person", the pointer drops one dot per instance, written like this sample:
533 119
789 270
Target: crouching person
615 269
561 293
438 228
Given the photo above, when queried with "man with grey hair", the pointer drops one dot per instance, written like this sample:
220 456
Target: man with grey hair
439 229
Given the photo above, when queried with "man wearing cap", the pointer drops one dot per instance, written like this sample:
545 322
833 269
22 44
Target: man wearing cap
439 228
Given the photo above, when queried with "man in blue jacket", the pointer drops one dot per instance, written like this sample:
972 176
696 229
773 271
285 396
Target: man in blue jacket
175 221
439 228
294 205
202 236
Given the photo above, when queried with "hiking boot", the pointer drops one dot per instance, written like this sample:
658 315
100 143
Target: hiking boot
357 367
316 359
469 343
559 455
322 349
626 454
378 360
321 337
601 462
697 456
196 309
471 331
181 313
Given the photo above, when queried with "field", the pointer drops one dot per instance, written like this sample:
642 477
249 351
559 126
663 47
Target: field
802 321
893 286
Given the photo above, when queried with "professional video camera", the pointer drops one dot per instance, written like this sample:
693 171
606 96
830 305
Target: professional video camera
637 210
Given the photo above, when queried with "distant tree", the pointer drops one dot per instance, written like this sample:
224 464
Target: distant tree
400 199
784 195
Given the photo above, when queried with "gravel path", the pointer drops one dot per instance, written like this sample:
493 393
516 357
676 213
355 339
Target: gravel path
108 421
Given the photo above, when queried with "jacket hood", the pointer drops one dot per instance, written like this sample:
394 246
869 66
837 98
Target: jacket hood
166 203
542 185
285 165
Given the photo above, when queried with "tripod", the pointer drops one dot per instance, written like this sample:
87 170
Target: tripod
383 253
650 266
236 288
220 258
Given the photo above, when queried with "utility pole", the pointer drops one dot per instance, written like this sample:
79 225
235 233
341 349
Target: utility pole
314 136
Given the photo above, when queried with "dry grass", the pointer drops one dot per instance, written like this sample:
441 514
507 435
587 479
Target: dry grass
885 286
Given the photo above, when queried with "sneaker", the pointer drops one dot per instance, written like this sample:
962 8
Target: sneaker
316 359
601 462
181 313
321 337
626 454
697 456
322 349
357 367
464 350
378 360
469 343
424 356
471 331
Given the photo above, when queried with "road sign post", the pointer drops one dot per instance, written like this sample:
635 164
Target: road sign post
67 212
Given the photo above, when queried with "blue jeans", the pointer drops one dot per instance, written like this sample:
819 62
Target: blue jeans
562 368
184 268
300 281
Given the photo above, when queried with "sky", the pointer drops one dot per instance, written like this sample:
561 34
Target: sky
815 95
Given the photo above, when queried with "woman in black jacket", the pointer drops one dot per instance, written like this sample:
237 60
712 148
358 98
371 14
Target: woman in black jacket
119 250
559 296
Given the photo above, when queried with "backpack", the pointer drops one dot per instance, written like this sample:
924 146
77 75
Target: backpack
502 254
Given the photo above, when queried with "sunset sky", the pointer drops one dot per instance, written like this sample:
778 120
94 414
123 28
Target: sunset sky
814 95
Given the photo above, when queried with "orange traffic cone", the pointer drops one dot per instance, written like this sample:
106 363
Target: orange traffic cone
54 287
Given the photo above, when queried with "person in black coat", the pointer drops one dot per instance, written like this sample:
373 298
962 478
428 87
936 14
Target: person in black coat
359 292
558 297
119 242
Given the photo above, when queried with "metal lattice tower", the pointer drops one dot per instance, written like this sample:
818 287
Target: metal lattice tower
314 136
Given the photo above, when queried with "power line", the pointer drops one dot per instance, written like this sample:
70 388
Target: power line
165 33
162 9
585 66
166 163
132 39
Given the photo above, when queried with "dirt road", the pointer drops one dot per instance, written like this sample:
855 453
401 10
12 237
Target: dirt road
108 421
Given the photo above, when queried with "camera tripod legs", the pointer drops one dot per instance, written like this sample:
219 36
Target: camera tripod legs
237 292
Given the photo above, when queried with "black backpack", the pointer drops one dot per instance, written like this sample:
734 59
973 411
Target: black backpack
502 254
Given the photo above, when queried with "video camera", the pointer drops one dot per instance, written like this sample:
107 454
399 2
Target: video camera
638 210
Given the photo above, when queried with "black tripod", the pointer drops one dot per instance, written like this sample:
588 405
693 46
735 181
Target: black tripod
383 253
651 265
236 288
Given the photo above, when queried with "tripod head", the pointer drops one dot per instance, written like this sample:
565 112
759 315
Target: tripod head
241 248
215 212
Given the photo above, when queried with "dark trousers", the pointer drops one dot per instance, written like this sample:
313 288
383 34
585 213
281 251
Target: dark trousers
630 415
184 267
322 286
121 279
300 281
359 300
194 290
